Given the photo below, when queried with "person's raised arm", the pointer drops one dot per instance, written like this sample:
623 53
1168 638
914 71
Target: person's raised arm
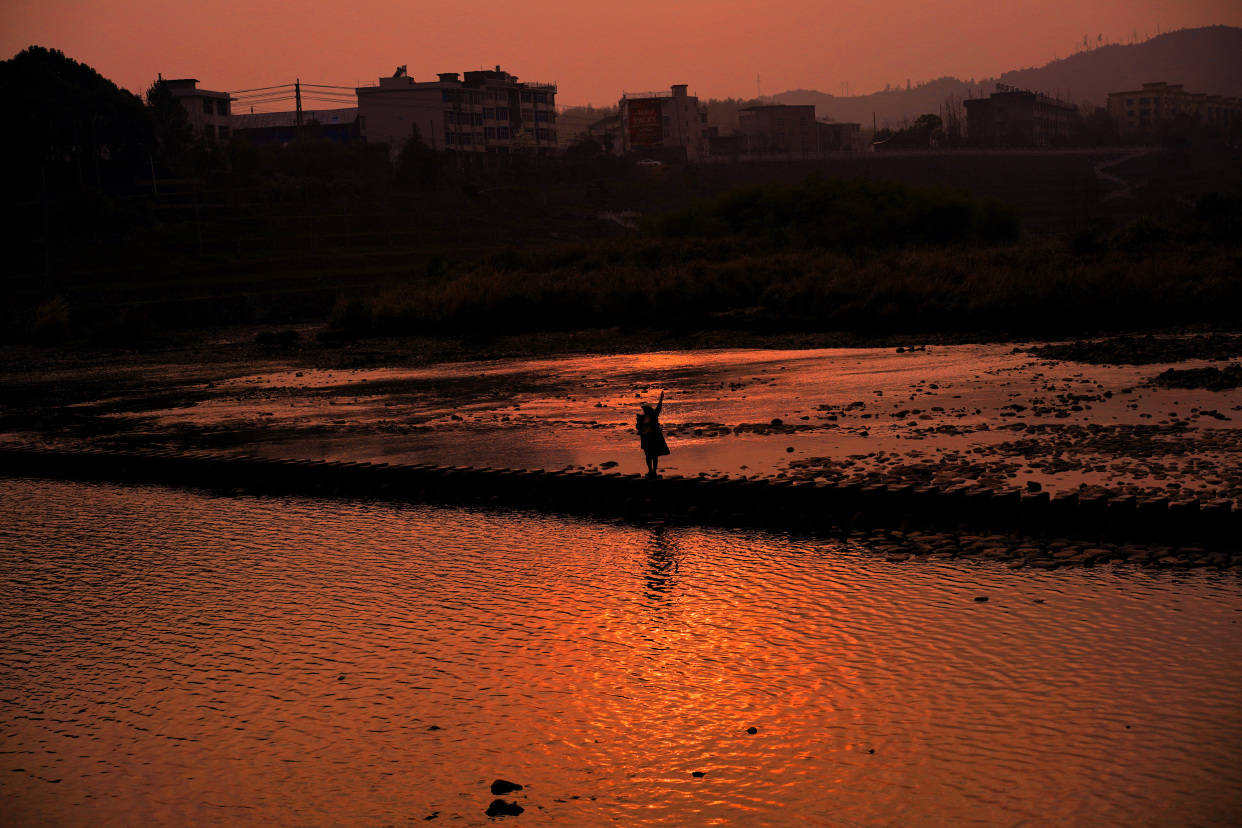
660 404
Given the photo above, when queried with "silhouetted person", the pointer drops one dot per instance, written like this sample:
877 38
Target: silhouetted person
651 436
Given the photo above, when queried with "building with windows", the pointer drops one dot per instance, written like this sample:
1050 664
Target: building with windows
486 112
663 126
1012 117
839 136
1160 107
779 128
210 113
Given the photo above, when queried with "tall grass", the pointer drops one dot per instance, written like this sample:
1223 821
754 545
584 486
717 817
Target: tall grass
1036 288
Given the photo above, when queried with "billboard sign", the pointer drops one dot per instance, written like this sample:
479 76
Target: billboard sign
646 122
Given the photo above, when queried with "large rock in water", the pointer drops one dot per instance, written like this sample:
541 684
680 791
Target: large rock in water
503 786
501 808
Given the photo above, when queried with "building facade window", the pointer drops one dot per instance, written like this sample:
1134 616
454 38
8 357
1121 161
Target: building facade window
222 107
489 113
224 133
502 133
502 113
489 133
526 96
207 108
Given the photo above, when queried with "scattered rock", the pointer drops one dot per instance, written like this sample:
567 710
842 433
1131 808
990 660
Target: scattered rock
699 774
752 730
981 598
1210 378
504 786
501 808
608 464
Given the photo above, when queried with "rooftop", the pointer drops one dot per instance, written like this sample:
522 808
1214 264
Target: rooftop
262 120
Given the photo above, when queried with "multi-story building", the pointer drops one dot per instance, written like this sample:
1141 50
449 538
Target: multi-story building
1160 106
1013 117
489 112
209 113
664 126
779 128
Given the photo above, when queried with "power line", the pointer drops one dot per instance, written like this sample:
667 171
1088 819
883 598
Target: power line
259 88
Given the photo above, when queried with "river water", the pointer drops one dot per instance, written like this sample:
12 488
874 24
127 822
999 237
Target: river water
171 657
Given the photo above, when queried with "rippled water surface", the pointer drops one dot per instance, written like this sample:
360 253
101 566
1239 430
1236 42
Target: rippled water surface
170 657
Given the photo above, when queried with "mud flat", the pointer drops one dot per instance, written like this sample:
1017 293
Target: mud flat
1006 418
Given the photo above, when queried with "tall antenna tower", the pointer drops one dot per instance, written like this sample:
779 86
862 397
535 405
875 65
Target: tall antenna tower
758 90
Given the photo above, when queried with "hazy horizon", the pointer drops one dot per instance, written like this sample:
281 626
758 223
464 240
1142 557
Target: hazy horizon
720 49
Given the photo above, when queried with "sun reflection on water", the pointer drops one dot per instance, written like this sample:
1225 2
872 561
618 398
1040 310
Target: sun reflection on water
173 658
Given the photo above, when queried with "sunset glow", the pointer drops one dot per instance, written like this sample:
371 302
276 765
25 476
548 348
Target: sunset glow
593 52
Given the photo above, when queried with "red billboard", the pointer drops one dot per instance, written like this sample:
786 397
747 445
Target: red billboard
646 122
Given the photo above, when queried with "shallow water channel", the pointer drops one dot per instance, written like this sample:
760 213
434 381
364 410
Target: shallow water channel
171 657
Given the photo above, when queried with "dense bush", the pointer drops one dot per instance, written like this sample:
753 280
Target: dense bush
846 215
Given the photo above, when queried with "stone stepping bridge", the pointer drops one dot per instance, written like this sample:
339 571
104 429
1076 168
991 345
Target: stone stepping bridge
721 501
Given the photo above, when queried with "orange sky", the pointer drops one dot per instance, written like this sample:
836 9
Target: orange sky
593 50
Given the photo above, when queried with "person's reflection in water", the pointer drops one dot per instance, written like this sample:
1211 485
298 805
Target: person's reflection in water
662 563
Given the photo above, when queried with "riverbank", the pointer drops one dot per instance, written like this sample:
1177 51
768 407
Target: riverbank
901 522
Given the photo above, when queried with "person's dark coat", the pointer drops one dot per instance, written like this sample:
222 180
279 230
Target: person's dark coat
650 435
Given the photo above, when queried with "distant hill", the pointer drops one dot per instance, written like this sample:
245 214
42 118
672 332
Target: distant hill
1207 59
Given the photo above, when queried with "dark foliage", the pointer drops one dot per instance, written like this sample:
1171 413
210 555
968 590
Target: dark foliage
847 215
72 128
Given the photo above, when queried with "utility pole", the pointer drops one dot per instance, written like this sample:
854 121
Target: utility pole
297 94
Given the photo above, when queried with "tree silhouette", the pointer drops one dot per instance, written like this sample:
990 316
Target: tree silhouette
74 128
174 137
